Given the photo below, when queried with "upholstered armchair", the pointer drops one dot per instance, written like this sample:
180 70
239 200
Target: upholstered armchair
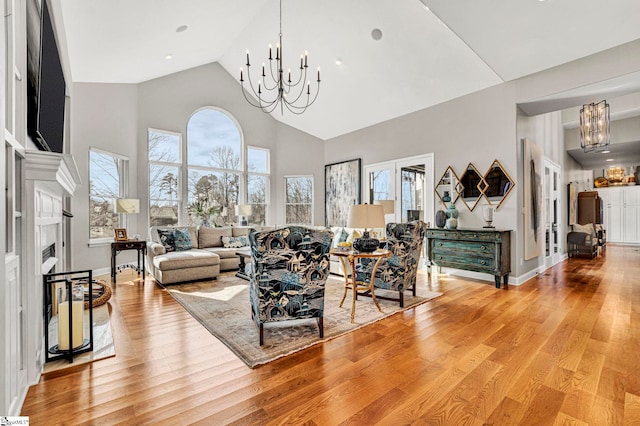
398 272
583 241
288 275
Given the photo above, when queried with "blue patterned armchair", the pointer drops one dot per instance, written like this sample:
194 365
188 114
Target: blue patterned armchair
398 272
289 271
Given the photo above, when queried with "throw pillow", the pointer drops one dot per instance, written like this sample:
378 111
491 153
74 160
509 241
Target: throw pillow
167 239
343 236
587 228
336 237
182 239
355 234
235 242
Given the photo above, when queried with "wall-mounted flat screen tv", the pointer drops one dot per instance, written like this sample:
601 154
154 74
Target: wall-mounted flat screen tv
46 87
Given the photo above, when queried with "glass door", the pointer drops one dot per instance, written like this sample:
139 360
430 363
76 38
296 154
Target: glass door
552 216
408 182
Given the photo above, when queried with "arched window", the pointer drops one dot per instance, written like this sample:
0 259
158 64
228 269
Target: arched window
215 166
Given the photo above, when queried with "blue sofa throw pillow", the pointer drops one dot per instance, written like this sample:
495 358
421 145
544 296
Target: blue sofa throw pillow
182 239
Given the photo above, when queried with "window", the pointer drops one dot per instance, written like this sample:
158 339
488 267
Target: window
214 162
298 200
107 176
164 177
257 183
212 169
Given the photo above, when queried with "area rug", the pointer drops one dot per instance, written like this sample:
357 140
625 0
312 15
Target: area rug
222 307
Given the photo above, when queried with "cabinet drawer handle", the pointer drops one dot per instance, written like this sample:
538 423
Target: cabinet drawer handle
440 244
439 257
475 235
484 262
483 247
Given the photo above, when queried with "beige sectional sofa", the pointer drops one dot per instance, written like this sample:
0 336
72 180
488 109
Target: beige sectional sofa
204 260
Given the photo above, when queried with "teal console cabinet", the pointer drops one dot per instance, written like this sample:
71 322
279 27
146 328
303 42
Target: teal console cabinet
479 250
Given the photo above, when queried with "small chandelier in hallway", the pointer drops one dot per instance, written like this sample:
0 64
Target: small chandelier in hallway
594 127
274 88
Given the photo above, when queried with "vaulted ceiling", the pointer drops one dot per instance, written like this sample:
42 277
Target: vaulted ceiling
430 51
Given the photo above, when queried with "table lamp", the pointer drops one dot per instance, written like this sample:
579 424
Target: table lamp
366 216
242 211
128 206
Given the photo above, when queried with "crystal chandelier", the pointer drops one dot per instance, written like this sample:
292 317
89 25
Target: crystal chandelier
594 126
295 95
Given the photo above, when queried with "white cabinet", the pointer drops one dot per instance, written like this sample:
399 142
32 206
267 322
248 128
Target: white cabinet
621 213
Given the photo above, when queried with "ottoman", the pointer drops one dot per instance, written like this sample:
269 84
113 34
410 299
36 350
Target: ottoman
189 265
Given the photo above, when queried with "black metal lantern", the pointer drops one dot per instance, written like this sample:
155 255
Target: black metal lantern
68 318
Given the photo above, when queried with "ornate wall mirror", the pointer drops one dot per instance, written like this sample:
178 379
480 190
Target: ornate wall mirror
499 184
472 186
446 187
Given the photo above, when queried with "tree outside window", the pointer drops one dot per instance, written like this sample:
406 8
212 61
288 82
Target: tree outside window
106 184
257 183
164 177
214 166
298 200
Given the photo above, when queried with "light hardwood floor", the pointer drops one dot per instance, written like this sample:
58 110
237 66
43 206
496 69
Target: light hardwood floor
563 348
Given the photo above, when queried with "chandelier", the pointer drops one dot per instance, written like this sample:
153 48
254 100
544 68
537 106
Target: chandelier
274 88
594 126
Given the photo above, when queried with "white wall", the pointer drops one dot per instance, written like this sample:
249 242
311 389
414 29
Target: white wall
103 116
486 125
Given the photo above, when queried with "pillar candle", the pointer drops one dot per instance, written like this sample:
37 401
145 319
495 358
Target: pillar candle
63 324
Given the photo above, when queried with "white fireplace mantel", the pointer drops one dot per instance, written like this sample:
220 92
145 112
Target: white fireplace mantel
52 167
48 178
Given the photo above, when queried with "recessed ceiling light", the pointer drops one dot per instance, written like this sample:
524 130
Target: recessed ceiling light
609 159
606 151
338 61
181 28
376 34
169 56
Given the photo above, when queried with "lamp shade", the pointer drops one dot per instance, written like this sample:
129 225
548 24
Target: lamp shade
243 210
127 205
366 216
387 205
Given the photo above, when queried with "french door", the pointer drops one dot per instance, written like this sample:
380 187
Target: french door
408 182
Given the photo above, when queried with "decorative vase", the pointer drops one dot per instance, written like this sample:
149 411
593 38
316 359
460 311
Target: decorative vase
446 197
452 217
366 244
441 219
487 215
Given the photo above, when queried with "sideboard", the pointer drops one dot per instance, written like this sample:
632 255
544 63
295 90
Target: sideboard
480 250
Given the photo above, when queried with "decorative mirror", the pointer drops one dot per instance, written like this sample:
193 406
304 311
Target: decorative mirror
446 187
499 184
472 186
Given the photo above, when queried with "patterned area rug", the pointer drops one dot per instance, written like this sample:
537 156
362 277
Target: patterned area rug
222 307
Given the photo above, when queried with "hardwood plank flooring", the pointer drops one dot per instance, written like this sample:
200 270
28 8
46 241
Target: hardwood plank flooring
563 348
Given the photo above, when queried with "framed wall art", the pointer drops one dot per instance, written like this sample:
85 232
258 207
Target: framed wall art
342 189
533 226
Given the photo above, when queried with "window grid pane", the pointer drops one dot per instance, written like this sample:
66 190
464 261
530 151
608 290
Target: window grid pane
299 200
105 181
